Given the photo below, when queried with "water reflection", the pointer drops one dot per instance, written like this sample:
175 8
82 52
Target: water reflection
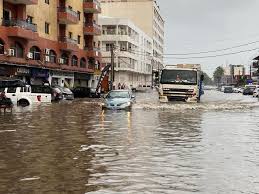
78 148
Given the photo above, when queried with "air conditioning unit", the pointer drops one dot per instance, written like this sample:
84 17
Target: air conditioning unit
47 58
11 52
30 55
61 61
47 51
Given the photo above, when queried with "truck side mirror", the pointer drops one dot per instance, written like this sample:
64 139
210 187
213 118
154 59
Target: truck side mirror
202 77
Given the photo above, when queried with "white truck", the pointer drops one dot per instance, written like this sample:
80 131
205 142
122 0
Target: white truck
24 95
181 82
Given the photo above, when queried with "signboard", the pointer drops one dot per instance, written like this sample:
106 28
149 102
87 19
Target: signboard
40 73
22 71
82 76
61 74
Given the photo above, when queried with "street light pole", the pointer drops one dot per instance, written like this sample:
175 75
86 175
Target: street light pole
112 66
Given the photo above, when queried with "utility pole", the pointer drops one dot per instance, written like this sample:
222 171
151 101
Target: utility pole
112 66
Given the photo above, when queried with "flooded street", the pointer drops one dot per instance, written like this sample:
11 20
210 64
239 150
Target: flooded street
75 147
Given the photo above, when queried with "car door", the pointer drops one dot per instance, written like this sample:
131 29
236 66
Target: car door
13 94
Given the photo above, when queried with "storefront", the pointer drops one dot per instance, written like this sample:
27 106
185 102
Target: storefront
82 79
62 78
22 73
39 76
5 71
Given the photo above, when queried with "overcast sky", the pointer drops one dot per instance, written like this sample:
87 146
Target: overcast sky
204 25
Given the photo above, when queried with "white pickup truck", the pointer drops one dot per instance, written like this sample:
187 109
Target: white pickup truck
27 95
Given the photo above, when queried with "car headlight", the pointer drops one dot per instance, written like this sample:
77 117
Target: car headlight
125 103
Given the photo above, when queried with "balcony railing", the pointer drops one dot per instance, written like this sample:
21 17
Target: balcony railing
20 23
68 10
68 40
24 2
92 6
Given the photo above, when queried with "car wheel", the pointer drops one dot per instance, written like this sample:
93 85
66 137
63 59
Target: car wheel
23 103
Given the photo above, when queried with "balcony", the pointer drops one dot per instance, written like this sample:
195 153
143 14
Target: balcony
255 64
93 52
67 16
21 29
92 6
23 2
92 29
67 44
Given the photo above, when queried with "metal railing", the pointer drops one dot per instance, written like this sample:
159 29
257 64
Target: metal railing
93 1
20 23
68 10
66 39
92 49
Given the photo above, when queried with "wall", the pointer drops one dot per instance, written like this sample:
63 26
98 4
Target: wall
140 13
42 13
1 11
77 29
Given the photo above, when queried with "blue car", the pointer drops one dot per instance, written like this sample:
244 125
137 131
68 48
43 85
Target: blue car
118 100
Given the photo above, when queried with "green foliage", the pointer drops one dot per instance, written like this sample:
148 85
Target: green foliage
218 74
207 79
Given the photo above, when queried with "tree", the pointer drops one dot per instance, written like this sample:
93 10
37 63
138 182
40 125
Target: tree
218 74
207 79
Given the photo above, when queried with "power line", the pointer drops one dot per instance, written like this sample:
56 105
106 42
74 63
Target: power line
212 56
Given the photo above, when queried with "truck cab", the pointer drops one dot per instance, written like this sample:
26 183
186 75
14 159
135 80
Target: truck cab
181 83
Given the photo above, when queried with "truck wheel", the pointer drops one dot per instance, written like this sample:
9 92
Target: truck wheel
23 103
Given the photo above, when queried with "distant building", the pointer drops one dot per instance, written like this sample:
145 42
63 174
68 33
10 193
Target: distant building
133 51
146 15
232 74
255 69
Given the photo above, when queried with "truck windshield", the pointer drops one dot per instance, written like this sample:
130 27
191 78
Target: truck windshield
179 77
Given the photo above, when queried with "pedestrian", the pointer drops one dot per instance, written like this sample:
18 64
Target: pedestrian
123 86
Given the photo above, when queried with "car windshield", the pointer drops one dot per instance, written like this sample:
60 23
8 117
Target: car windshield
186 77
118 94
67 90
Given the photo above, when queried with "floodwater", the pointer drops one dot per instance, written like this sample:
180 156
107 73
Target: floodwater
75 147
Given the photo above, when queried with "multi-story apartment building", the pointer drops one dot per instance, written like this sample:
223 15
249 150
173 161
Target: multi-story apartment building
146 15
133 51
43 40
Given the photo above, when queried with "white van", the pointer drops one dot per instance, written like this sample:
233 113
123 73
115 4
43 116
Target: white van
24 95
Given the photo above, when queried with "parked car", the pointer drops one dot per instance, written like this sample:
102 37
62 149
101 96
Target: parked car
25 96
85 92
118 99
66 92
256 93
228 89
249 90
238 90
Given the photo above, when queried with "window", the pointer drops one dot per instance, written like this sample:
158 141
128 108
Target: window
79 15
46 28
70 35
11 90
74 61
1 47
35 53
52 56
18 49
47 1
78 39
83 63
65 57
29 19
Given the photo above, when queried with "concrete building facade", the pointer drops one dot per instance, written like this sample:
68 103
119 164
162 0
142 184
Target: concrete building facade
233 73
43 40
146 15
133 51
